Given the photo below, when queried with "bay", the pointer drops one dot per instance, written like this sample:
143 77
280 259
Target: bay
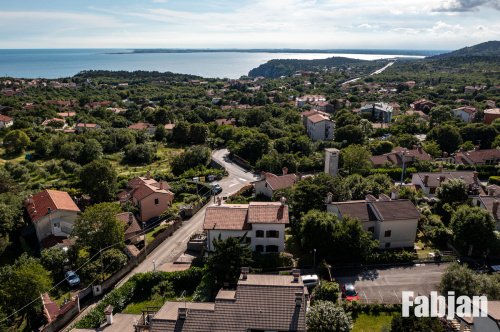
56 63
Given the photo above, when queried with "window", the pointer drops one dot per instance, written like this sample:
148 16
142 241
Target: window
259 248
371 229
387 233
57 225
272 248
157 201
387 245
274 234
259 233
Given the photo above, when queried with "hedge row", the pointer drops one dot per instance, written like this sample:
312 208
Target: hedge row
140 286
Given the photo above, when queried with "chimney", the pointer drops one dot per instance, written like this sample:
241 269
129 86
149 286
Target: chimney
495 207
283 200
296 275
426 179
148 175
298 299
394 194
108 312
244 272
440 168
182 313
475 174
285 170
329 198
491 191
441 179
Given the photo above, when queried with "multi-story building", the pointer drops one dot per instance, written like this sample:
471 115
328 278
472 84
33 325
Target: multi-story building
378 112
262 223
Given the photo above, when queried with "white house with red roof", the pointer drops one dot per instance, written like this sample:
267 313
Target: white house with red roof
465 113
263 224
150 196
318 125
6 121
53 214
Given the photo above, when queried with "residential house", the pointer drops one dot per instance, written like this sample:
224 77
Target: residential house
429 182
81 127
396 108
270 182
148 127
491 115
226 122
54 122
422 105
53 213
169 127
308 99
263 223
395 157
478 157
323 106
6 121
150 196
491 203
318 125
132 228
67 114
471 89
393 222
465 113
259 303
378 112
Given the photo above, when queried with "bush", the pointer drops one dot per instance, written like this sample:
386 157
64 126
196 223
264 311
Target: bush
272 260
394 173
389 256
494 180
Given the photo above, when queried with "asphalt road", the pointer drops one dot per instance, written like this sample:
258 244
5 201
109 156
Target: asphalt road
384 285
174 246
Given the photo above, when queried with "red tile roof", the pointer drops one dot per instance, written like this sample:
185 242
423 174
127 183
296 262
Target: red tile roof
267 213
318 118
280 182
5 118
140 126
39 205
226 217
131 225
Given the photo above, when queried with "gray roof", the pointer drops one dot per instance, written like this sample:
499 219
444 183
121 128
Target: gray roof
261 302
383 210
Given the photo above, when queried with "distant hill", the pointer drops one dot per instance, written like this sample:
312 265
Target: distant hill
286 67
487 49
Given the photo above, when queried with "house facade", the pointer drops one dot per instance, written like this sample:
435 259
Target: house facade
150 196
320 127
6 121
478 157
395 157
263 224
491 203
393 222
378 112
53 213
491 115
465 113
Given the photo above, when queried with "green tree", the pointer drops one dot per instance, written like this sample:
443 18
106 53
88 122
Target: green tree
473 230
10 212
43 147
98 179
447 136
181 133
97 227
199 133
326 291
350 134
351 243
16 141
355 159
191 157
317 232
160 133
229 256
432 148
91 150
325 316
53 259
142 154
21 283
250 147
452 192
459 279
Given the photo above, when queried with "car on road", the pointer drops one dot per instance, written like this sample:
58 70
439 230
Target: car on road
72 278
310 280
349 292
216 189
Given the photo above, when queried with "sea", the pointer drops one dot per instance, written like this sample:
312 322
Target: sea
58 63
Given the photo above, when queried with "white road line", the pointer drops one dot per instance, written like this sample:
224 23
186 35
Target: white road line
241 179
233 184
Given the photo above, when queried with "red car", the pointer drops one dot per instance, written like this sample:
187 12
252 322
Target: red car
349 293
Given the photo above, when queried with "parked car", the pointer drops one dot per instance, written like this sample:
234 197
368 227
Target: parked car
310 280
216 189
72 278
349 292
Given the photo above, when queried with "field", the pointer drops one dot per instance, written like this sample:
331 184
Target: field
373 323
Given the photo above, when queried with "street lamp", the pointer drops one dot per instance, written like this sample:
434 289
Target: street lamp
314 259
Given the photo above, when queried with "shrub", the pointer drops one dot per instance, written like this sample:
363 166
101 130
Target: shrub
494 180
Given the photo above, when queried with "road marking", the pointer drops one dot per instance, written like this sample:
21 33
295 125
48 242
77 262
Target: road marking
233 184
241 179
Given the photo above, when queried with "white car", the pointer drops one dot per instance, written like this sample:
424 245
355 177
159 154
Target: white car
310 280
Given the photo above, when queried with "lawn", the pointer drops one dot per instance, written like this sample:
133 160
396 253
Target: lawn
373 323
157 301
153 233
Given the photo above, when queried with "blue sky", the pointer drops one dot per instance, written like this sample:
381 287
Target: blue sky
389 24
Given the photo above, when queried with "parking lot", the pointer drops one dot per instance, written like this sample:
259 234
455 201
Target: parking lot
384 285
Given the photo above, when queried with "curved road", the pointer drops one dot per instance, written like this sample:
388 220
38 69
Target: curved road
174 246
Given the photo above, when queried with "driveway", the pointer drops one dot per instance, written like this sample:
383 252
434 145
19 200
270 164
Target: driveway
384 285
